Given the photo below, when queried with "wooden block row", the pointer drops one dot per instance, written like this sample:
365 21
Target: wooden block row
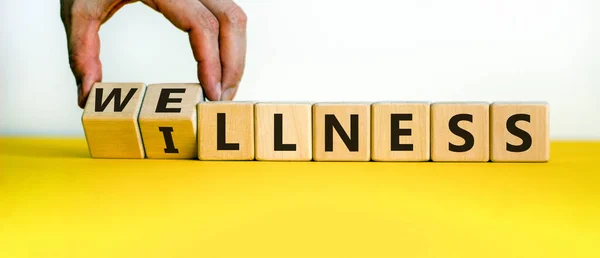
171 121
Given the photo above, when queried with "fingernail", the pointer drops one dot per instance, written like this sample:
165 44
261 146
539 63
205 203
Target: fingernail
228 94
219 93
79 94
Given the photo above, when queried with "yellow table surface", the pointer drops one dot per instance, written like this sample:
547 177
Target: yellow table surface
55 201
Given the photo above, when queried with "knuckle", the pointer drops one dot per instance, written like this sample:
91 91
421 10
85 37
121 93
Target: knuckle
79 10
76 62
84 10
237 74
234 15
209 22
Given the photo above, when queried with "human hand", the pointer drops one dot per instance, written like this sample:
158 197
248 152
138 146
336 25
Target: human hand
216 29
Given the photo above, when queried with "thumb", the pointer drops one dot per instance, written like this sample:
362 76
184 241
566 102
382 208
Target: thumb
84 51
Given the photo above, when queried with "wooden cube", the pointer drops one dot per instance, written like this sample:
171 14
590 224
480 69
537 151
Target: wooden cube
342 132
520 132
168 120
226 130
400 131
283 131
110 120
460 131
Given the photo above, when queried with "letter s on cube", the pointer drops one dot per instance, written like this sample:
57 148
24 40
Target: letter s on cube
460 131
520 132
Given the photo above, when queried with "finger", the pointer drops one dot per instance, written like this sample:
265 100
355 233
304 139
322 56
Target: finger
84 57
82 20
83 42
203 29
232 39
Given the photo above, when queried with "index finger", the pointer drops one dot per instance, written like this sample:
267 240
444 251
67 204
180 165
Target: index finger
203 29
232 38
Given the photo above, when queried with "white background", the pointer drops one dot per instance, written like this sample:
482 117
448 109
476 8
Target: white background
327 50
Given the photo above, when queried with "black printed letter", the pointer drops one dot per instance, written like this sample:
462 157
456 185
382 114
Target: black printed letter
396 132
170 146
165 99
351 143
511 126
221 131
116 94
469 140
278 131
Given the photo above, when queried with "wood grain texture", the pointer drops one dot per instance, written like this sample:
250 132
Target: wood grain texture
537 128
111 125
441 136
173 120
239 129
381 131
342 112
296 121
